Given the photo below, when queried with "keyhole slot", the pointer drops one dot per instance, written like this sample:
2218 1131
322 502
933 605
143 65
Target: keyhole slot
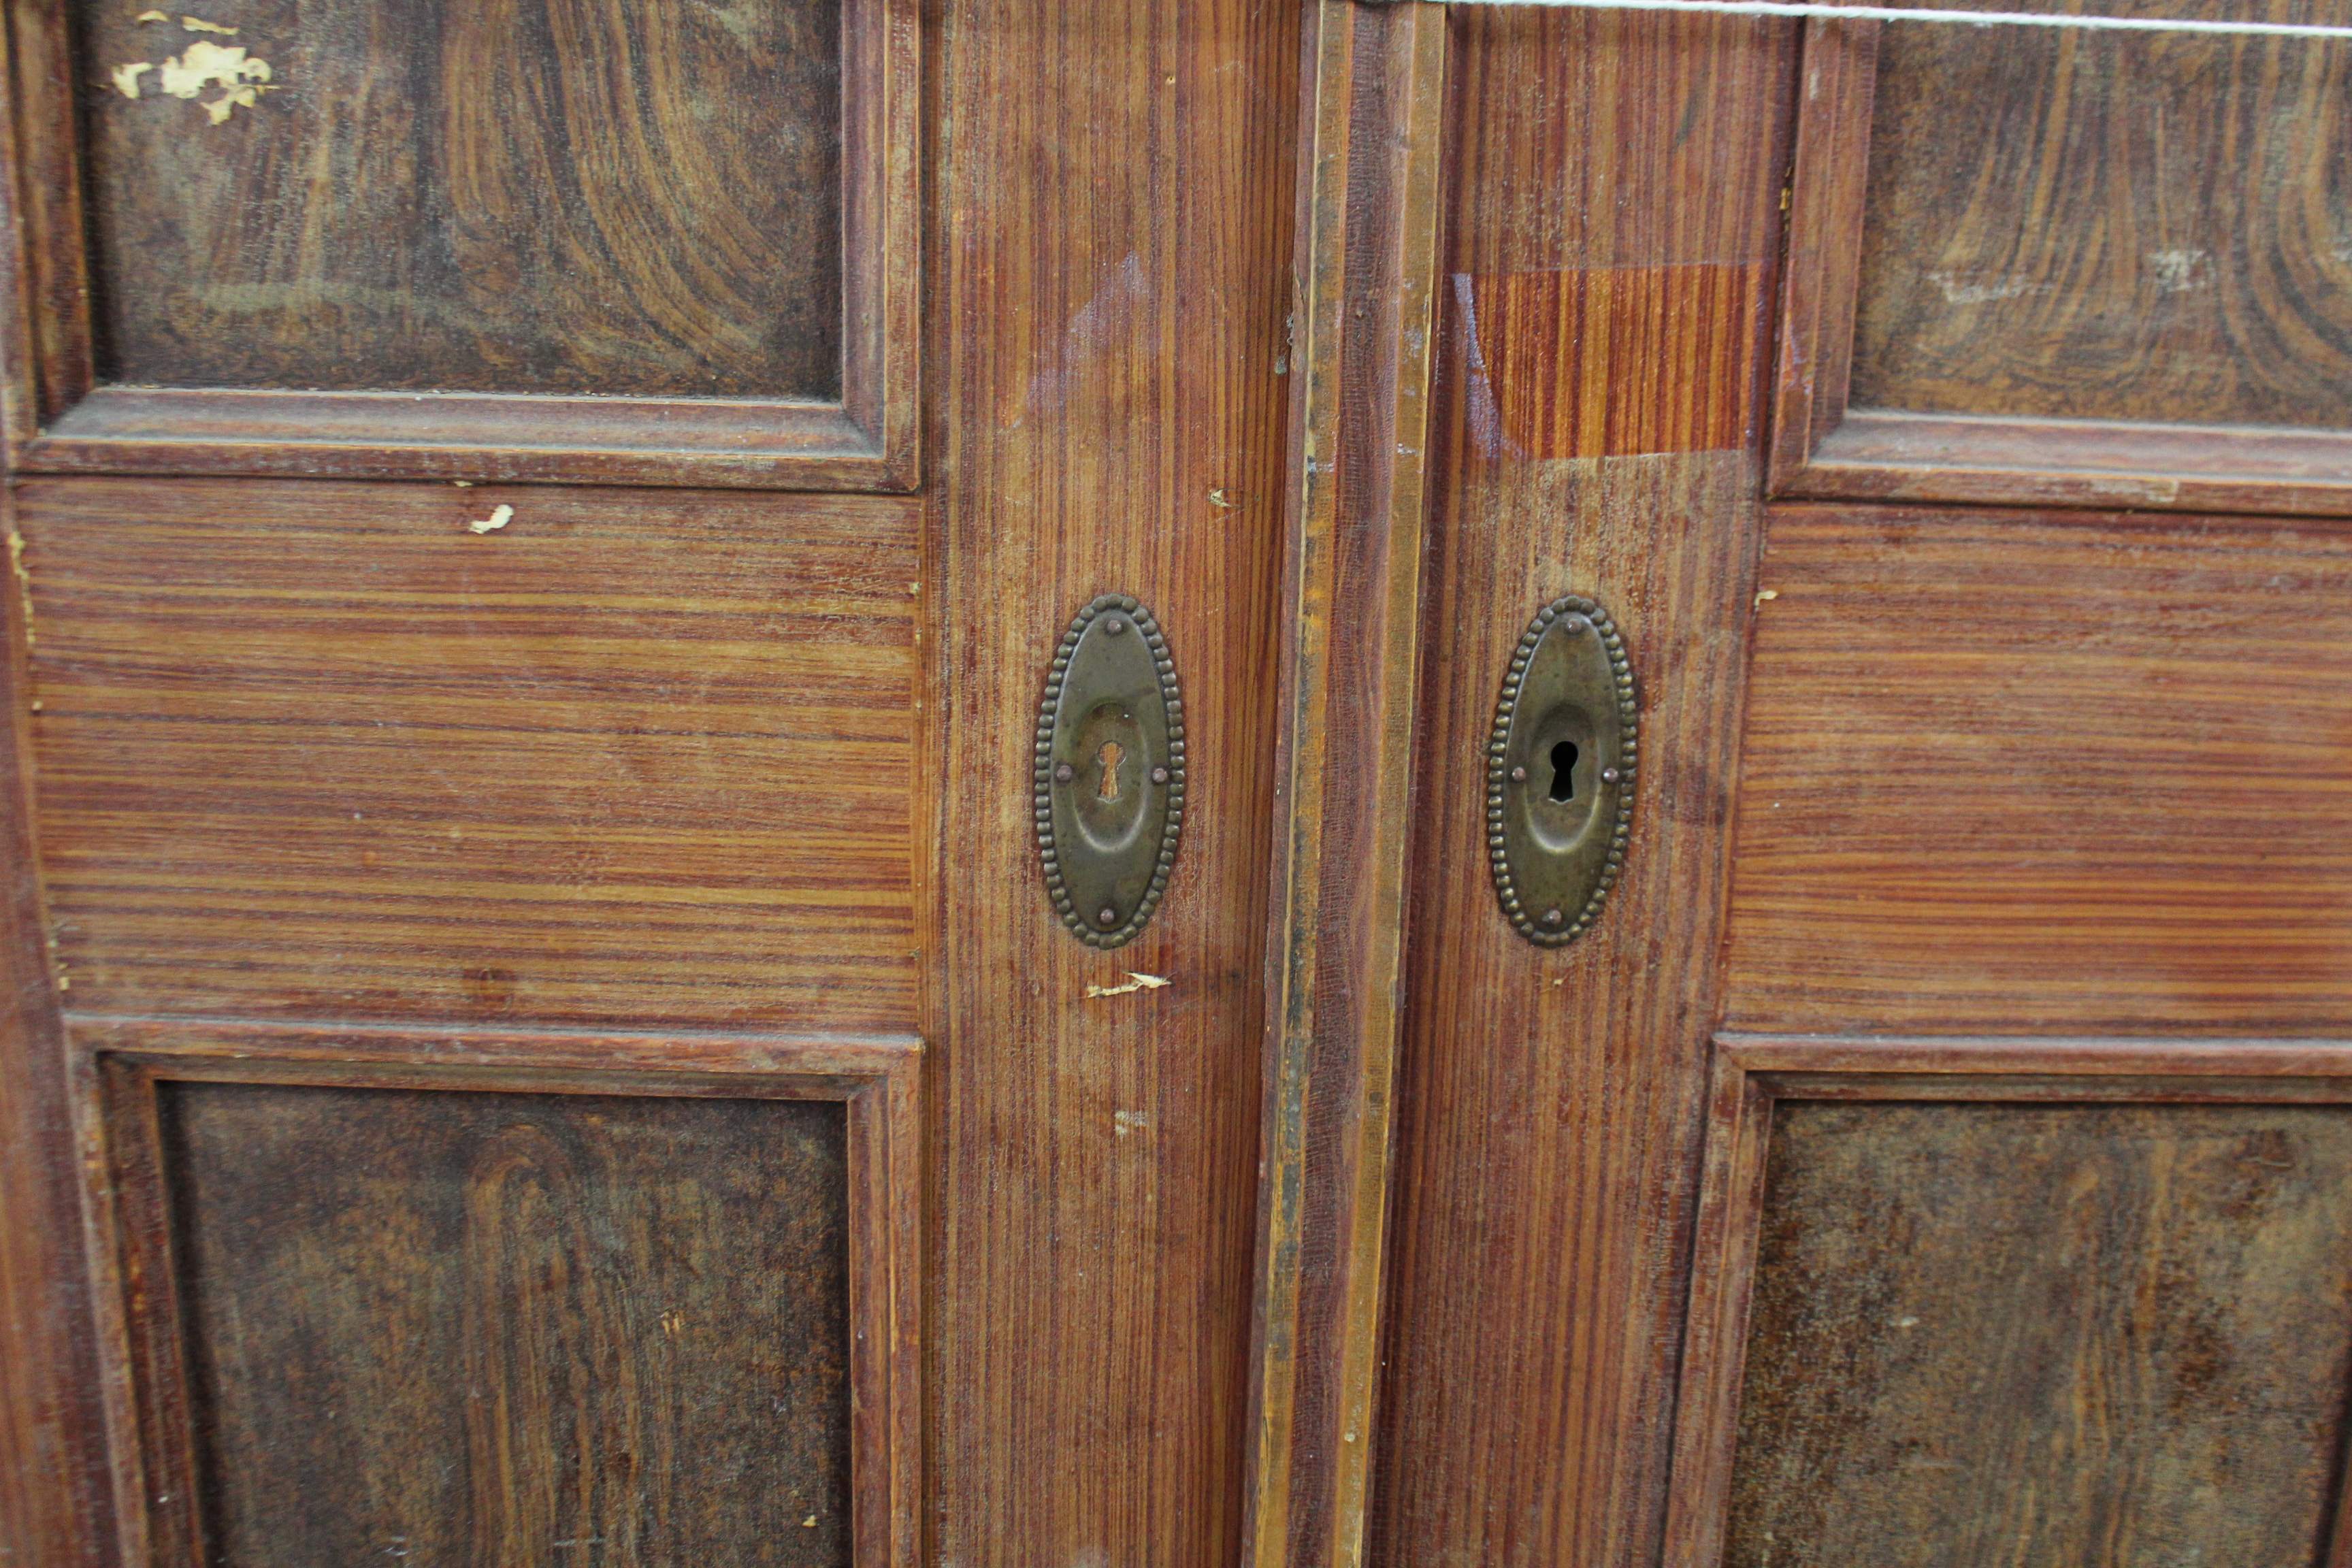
1564 772
1107 760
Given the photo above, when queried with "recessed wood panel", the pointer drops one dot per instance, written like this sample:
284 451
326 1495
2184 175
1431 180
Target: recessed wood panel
2087 1336
511 1328
551 240
2008 771
2059 268
326 750
2094 225
496 195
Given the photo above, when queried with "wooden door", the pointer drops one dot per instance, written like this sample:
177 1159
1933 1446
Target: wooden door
536 1033
1933 1150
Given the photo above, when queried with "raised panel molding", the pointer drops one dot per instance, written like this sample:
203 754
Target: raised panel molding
504 1291
2082 1300
598 283
2144 337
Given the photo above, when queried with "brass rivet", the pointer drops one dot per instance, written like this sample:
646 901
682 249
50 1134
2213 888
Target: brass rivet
1066 772
1519 775
1114 625
1159 775
1108 917
1551 917
1609 775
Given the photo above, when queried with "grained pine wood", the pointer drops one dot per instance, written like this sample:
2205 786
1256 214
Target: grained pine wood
1114 184
2086 270
490 195
1357 534
799 294
2016 773
1550 1106
2099 225
325 750
555 1202
2045 1301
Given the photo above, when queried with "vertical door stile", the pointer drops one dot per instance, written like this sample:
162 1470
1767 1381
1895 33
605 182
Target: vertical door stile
51 1449
1373 90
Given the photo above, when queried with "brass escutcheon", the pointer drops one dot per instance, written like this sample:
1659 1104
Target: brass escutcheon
1559 772
1109 772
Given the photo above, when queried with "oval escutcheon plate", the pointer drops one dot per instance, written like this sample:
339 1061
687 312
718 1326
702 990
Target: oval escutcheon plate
1109 772
1559 772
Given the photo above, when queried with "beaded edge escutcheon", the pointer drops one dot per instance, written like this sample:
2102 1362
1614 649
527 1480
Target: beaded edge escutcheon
1620 671
1171 827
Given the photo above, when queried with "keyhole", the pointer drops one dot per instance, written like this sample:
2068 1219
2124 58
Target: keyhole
1107 760
1563 771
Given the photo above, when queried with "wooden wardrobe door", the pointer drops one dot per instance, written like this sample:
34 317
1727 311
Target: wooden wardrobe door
536 1029
1931 1151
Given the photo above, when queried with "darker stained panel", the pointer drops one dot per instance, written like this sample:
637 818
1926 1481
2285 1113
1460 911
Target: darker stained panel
2103 227
486 196
490 1328
2082 1336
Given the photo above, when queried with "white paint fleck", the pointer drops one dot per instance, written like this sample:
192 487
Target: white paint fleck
155 15
1961 290
2182 271
500 517
241 77
198 24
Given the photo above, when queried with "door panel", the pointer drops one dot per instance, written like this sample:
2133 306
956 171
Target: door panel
2017 772
500 1297
622 757
659 244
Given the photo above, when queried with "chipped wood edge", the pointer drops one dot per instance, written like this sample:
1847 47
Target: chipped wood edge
1374 81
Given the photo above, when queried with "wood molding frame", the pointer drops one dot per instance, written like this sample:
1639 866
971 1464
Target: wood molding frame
1373 89
59 420
1822 448
1752 1072
117 1063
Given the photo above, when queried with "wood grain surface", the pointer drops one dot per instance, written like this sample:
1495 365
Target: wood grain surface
324 750
2011 773
509 1327
502 195
52 1435
1356 526
1550 1105
2114 285
2072 1334
2114 226
1110 279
